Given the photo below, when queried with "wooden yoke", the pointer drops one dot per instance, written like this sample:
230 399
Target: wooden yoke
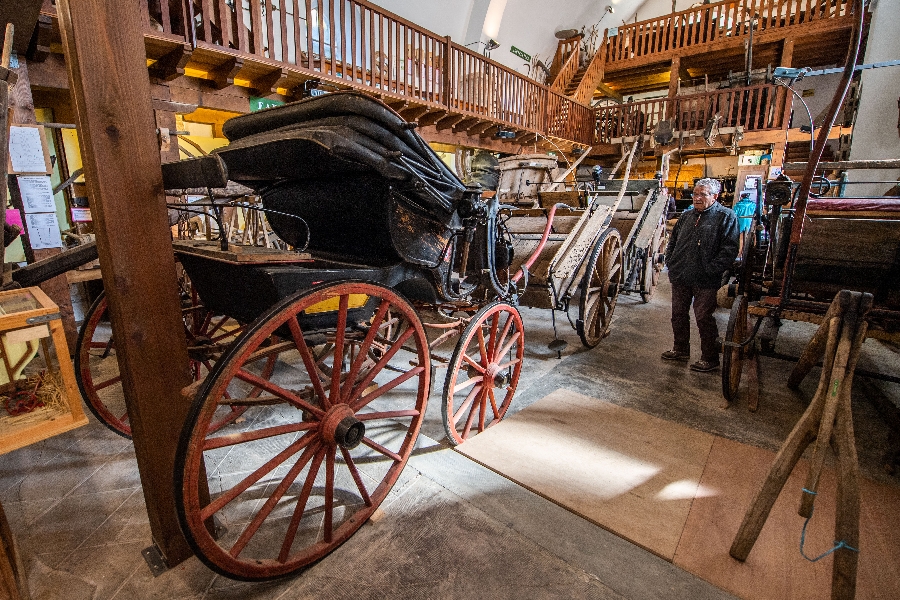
827 421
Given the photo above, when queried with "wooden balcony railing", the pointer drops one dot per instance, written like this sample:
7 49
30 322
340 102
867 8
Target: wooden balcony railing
564 51
568 119
754 108
565 63
480 87
712 22
361 45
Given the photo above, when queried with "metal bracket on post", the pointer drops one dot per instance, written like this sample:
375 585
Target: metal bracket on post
155 560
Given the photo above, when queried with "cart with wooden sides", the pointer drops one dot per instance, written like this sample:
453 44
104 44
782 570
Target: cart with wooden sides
641 221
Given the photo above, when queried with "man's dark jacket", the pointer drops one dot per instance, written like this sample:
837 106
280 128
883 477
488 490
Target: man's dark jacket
703 245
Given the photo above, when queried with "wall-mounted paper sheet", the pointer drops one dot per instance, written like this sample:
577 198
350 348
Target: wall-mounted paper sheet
27 153
43 230
37 193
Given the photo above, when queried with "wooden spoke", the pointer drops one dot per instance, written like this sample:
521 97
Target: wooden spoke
351 466
391 414
299 509
270 504
280 392
381 449
466 403
260 434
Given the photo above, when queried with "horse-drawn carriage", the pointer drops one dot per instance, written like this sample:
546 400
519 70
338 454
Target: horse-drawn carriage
315 364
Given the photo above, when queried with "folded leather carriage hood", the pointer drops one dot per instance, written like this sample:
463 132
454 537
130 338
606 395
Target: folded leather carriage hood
337 135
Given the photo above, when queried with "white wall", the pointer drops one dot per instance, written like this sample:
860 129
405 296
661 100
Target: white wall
443 17
875 133
529 25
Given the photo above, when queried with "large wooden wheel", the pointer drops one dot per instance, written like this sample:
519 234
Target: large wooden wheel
600 288
733 356
97 367
317 455
483 372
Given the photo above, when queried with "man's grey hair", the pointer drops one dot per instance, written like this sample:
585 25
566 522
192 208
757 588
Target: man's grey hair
710 184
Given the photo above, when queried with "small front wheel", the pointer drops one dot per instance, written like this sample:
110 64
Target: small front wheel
483 372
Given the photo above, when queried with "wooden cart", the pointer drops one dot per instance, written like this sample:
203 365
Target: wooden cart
841 243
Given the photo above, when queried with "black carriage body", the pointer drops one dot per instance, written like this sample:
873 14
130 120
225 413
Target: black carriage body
345 178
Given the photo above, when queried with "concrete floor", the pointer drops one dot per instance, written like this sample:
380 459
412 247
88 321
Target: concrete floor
452 529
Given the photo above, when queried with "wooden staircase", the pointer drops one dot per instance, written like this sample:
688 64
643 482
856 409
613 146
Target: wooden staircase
573 84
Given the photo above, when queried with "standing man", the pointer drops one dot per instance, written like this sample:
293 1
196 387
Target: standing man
703 245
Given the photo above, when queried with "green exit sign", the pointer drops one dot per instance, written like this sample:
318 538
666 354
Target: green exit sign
520 53
261 103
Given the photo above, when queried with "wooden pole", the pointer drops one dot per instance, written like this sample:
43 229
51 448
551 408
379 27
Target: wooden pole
106 61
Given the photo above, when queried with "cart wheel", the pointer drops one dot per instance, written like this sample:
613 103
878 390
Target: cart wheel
649 277
733 358
490 351
319 455
97 368
600 289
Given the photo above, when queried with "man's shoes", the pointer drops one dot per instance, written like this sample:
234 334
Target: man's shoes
675 355
704 366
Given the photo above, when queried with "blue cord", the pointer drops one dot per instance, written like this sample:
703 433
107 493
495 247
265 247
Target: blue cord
837 544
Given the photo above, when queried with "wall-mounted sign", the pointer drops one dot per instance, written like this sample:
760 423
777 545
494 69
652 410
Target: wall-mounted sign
261 103
520 53
81 215
612 32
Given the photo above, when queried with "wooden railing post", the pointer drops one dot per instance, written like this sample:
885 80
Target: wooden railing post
446 72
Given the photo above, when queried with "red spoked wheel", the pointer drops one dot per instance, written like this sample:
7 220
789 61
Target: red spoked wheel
317 455
97 368
483 372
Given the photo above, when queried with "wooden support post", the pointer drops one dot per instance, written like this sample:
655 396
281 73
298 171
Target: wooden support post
105 58
813 351
674 75
829 421
787 52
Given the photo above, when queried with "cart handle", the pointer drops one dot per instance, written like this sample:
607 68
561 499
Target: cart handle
527 264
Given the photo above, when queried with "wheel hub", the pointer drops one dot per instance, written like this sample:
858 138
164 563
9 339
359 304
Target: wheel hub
497 375
341 427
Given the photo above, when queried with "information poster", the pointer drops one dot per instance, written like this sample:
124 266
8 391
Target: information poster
28 152
43 231
37 193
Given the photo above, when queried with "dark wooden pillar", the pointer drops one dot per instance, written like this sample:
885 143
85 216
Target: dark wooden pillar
105 57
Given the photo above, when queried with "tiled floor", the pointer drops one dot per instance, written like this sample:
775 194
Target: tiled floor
451 527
